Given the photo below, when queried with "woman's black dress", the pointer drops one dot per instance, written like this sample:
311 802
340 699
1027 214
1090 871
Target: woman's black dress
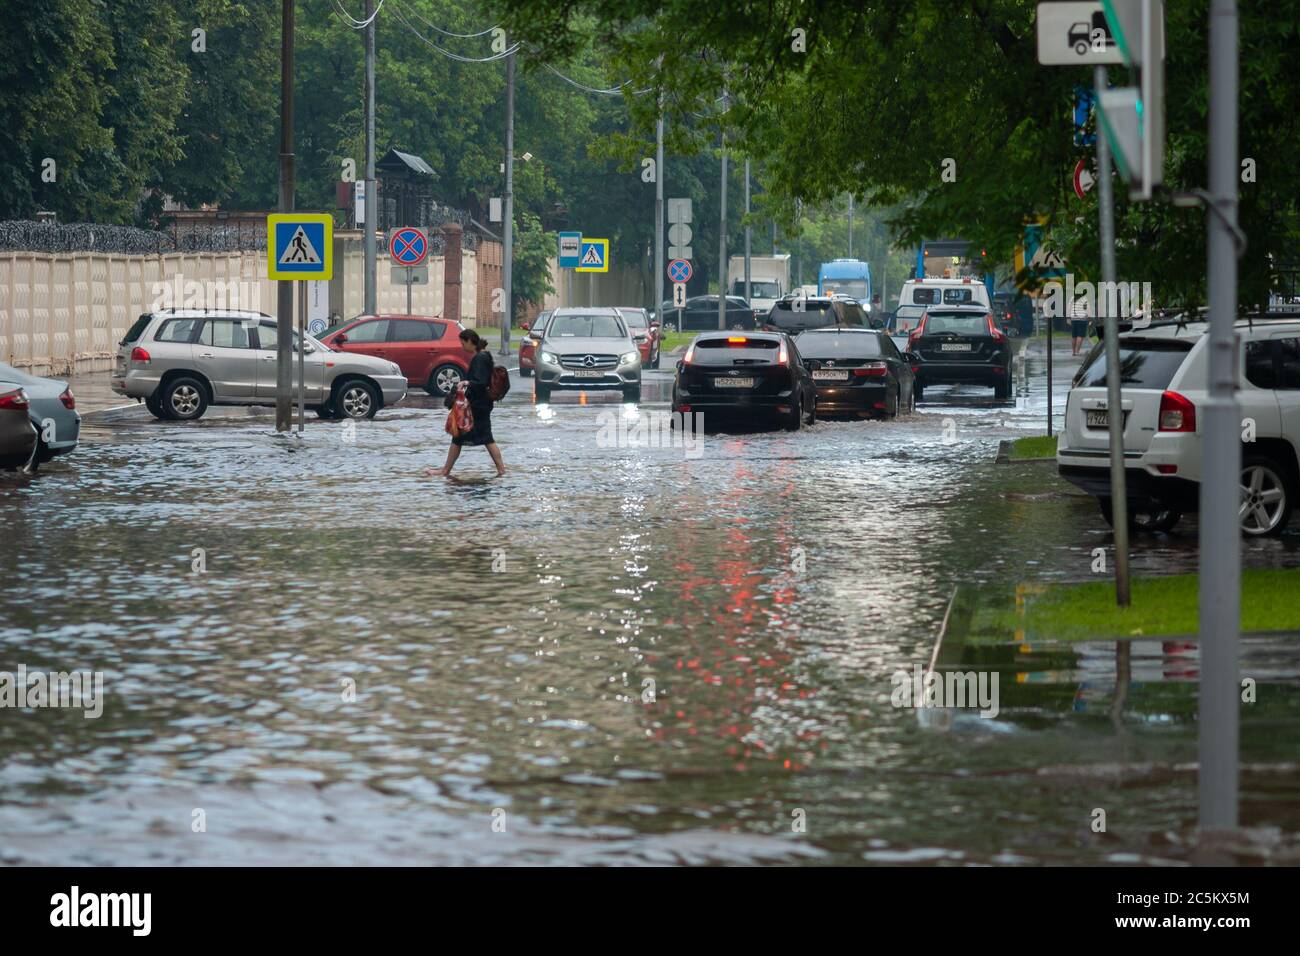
478 378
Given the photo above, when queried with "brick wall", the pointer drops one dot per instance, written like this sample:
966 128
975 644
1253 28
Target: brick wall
491 255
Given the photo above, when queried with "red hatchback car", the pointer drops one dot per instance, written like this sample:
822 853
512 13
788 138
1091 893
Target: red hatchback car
528 344
645 333
426 348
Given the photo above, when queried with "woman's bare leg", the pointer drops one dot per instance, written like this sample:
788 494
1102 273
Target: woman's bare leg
452 454
495 452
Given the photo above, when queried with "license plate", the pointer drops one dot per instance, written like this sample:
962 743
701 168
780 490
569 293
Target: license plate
1098 419
830 375
589 373
733 382
954 347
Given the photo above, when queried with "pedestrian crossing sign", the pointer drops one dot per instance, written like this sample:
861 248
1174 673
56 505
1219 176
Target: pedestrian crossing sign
299 245
593 256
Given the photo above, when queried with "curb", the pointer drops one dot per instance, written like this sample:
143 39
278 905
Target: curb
116 413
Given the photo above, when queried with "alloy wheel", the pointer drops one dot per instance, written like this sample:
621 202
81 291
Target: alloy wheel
185 400
1263 499
356 401
447 379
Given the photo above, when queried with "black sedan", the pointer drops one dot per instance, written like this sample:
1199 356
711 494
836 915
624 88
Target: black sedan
701 313
857 372
955 346
752 376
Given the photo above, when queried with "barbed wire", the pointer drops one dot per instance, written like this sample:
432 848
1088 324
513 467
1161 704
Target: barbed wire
24 235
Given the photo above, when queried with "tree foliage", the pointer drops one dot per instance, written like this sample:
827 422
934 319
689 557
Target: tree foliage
886 91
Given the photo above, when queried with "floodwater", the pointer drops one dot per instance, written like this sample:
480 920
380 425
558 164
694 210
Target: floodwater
313 654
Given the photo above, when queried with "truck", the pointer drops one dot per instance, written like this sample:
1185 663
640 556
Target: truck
851 277
952 259
769 280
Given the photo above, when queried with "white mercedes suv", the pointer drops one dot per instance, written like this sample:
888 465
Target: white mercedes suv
1164 381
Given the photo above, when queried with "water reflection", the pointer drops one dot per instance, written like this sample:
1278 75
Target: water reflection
640 657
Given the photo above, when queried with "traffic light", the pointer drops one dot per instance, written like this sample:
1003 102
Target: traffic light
1133 117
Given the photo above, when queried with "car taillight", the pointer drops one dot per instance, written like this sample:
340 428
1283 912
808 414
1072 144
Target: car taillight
994 330
139 355
690 355
67 399
872 369
1177 414
737 340
783 357
15 400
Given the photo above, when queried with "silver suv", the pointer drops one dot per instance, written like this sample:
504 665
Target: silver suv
181 361
587 348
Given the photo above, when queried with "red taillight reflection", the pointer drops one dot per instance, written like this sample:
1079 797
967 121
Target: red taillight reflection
139 355
1177 413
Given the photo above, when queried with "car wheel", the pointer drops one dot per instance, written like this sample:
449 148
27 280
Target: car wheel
34 462
355 399
812 410
541 393
632 395
444 379
184 399
795 418
918 394
892 403
1003 388
155 407
1265 497
525 372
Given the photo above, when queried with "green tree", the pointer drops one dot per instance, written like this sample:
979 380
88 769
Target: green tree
886 92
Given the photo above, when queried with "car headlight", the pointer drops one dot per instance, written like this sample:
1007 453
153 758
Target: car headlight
550 359
627 358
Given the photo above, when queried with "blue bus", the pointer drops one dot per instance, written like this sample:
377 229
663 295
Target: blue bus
850 277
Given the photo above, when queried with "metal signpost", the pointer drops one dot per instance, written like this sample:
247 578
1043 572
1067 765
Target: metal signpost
679 239
570 254
299 247
409 247
1071 34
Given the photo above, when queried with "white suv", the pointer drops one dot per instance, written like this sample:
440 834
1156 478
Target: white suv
1163 382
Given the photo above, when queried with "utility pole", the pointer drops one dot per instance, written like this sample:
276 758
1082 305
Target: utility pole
284 289
372 203
722 227
1220 545
509 251
1115 413
798 247
850 225
659 213
747 230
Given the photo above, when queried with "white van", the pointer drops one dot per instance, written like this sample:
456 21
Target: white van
928 292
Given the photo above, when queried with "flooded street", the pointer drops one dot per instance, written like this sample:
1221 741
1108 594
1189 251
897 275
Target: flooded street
616 654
